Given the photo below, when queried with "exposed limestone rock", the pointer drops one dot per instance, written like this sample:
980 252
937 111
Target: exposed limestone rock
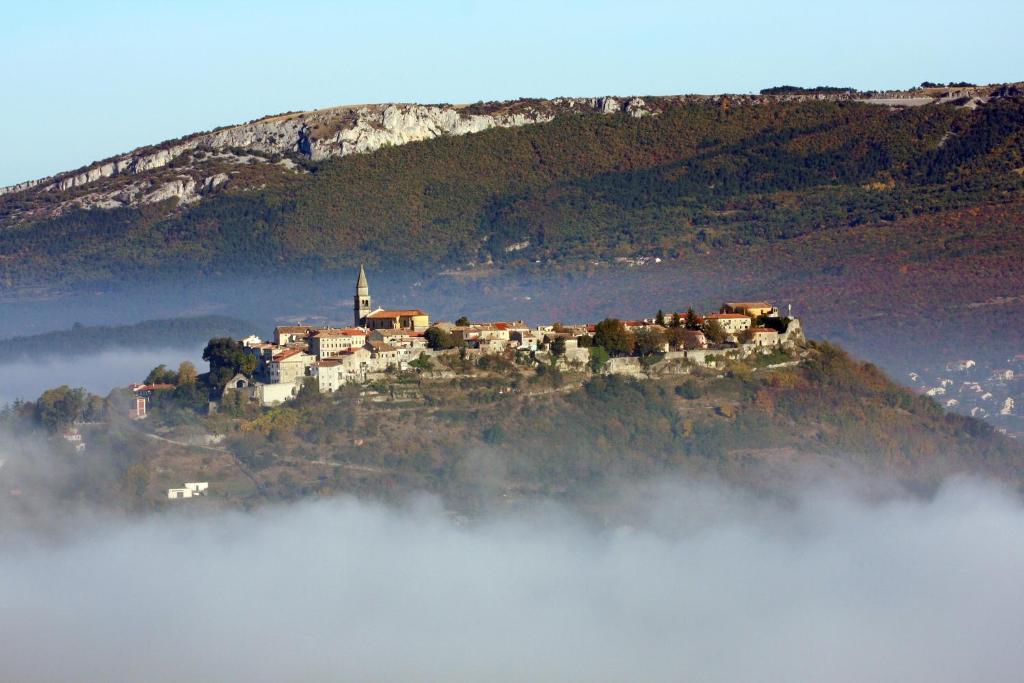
610 105
214 181
319 135
184 189
636 107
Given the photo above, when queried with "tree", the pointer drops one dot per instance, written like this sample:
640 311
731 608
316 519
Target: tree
161 375
660 318
714 332
613 336
693 320
308 392
689 389
227 358
550 374
676 320
187 373
674 336
649 342
190 396
558 346
439 339
422 363
598 358
94 409
58 408
462 321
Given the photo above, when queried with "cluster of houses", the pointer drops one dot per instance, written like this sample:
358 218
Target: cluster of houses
990 389
381 340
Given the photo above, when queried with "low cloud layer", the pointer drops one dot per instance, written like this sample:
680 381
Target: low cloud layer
27 378
704 584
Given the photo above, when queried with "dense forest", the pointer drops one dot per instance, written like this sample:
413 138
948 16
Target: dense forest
697 177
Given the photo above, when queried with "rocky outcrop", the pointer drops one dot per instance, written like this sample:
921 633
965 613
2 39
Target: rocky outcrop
329 133
318 135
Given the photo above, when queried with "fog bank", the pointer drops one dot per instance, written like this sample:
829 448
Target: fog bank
712 586
26 378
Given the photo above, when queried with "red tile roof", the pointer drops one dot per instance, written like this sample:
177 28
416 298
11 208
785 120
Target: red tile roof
151 387
395 313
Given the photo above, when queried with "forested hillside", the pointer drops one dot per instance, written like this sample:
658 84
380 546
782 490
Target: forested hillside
697 177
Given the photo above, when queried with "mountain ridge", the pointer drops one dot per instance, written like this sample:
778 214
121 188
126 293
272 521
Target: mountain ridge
358 128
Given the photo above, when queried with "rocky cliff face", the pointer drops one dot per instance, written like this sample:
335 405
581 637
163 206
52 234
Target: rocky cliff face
324 134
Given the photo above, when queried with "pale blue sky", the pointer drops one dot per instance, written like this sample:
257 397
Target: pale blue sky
85 80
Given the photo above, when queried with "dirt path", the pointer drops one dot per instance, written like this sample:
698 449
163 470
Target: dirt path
186 445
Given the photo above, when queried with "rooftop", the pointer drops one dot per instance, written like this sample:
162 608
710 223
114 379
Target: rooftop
386 313
340 332
285 355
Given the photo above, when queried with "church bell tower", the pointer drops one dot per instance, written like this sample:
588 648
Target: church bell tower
361 301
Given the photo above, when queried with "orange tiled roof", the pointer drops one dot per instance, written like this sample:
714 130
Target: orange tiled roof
285 355
395 313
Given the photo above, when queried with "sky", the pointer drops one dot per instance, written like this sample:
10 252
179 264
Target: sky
87 80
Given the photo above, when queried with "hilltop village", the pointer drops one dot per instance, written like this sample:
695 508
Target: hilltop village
384 341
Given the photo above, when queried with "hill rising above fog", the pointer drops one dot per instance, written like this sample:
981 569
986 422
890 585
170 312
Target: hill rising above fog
502 433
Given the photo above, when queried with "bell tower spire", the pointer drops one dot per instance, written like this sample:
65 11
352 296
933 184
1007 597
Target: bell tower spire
361 301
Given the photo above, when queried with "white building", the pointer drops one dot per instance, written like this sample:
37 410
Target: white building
731 323
288 366
190 490
330 342
1007 408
